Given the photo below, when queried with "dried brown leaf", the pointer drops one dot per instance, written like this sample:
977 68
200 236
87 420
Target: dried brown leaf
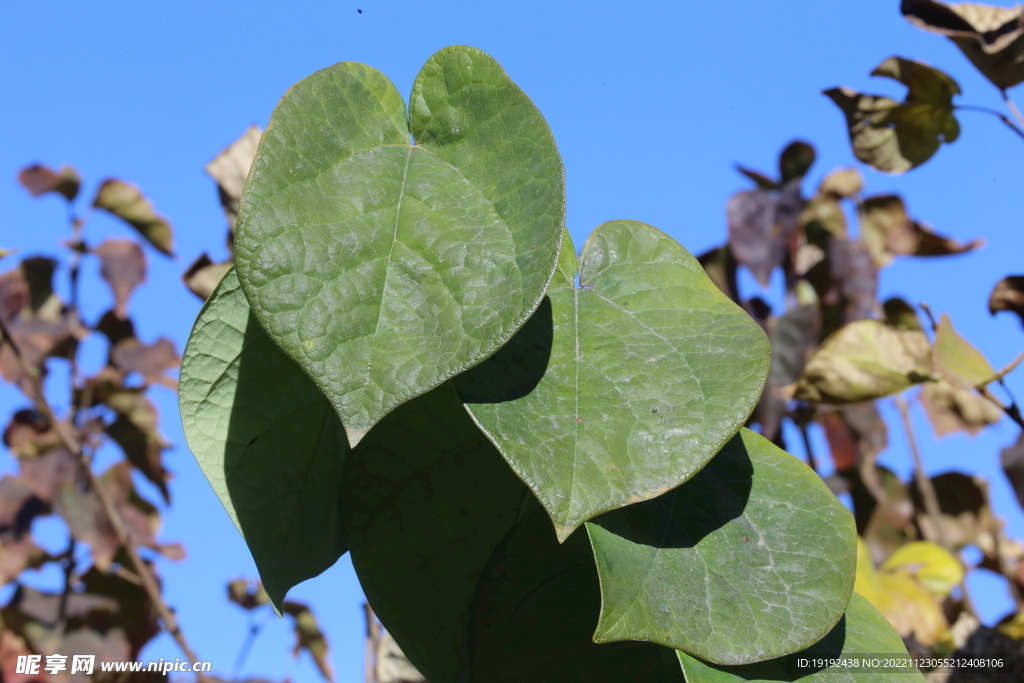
309 637
1008 295
247 594
865 360
203 276
149 360
888 232
126 201
952 410
760 222
230 168
123 266
991 37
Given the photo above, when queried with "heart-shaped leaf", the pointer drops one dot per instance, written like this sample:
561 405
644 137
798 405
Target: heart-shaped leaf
862 631
461 565
760 222
624 387
712 567
991 37
895 137
382 268
268 441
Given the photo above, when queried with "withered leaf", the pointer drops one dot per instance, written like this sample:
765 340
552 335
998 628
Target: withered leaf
38 273
963 504
14 294
952 410
115 328
842 183
392 664
247 594
856 434
309 637
230 168
28 434
888 232
901 315
1008 295
123 266
793 336
991 37
149 360
144 447
856 277
1012 460
795 160
203 276
39 180
895 137
760 222
865 360
720 265
136 613
126 201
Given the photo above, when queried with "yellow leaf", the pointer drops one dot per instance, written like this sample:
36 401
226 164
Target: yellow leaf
931 564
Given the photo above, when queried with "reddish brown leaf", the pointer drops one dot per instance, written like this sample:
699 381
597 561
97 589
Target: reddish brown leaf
760 222
149 360
857 279
39 180
28 434
123 266
14 294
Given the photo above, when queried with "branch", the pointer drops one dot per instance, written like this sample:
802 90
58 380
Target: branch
70 442
924 484
1002 117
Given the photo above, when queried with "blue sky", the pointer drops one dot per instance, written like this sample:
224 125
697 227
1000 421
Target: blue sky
651 105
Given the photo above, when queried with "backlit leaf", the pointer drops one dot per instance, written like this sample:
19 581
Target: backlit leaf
861 631
709 568
957 360
230 169
929 563
127 202
865 360
991 37
687 366
244 405
382 268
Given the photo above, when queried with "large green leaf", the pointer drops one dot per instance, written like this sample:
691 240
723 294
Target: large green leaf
752 559
624 387
461 565
382 268
268 441
861 632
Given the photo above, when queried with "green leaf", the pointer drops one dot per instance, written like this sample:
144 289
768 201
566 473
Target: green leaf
795 160
957 360
268 441
895 137
623 388
460 563
751 559
382 268
862 631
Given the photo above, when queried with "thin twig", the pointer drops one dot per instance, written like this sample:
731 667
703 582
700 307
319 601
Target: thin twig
812 462
243 652
1011 411
69 572
1002 117
1012 107
924 484
966 599
71 443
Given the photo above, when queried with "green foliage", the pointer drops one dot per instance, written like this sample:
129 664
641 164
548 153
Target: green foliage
497 393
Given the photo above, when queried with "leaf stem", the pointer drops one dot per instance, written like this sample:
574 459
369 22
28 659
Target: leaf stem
70 441
924 484
1002 117
1012 107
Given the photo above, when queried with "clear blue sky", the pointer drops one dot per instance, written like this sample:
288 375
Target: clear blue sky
651 105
